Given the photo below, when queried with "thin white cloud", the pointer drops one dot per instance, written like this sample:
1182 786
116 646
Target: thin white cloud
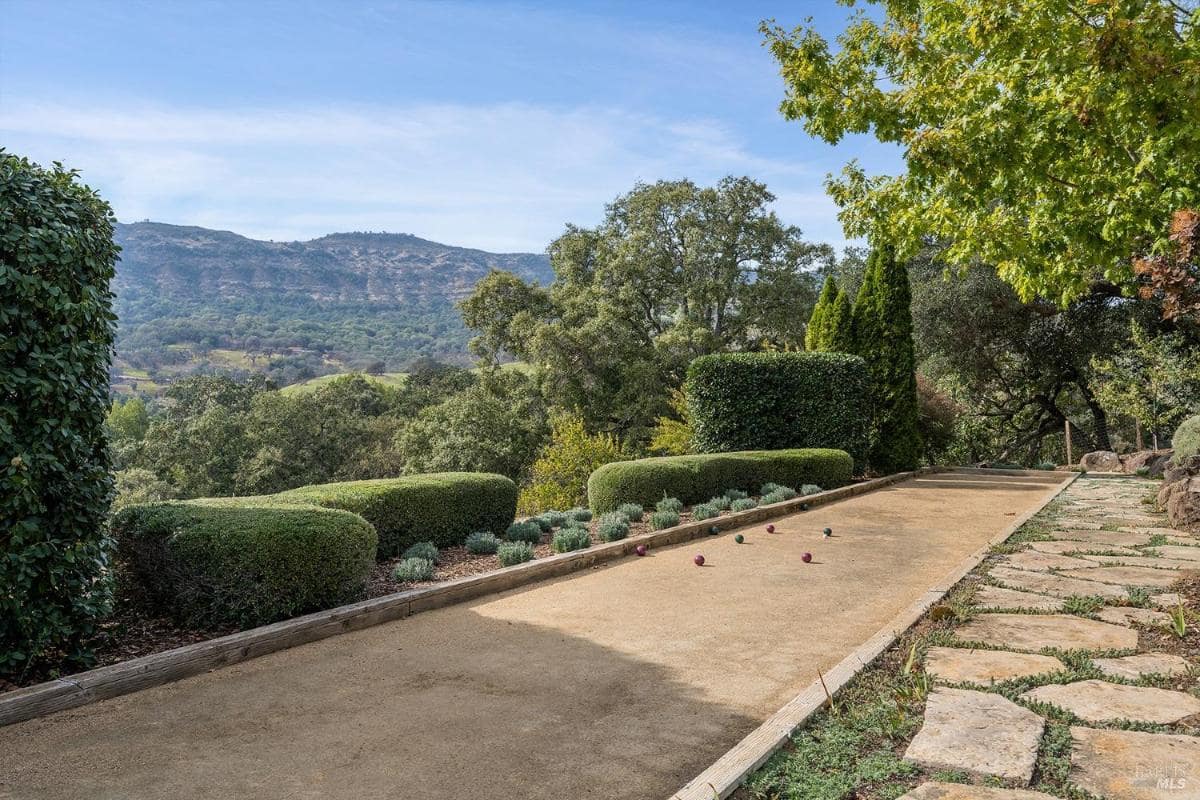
500 177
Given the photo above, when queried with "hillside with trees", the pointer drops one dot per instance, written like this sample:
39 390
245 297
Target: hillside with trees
191 299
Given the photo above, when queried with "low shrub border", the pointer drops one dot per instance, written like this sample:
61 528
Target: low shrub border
697 478
245 564
442 507
172 665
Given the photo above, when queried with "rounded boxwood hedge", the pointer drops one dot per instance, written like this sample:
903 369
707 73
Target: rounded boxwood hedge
441 507
696 478
773 401
214 564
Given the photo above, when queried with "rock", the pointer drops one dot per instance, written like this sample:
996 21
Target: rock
1134 667
1063 547
1101 461
1167 491
1041 562
1153 461
1126 576
999 597
962 665
966 791
1117 538
1167 600
978 732
1128 615
1180 552
1146 561
1033 632
1183 509
1101 701
1130 765
1055 585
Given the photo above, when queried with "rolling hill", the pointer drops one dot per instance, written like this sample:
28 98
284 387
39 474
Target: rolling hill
191 299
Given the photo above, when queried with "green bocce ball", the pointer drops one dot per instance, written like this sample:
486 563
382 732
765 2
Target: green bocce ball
739 538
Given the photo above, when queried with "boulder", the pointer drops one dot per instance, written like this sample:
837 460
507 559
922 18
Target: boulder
1183 507
1101 461
1153 461
1167 491
1184 468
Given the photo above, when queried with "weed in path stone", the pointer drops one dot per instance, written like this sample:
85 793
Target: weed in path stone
1083 606
1179 622
1137 597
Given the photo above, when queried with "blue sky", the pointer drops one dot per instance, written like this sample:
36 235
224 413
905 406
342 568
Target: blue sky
485 124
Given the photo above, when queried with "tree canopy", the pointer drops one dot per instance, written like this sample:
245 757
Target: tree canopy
674 271
1054 140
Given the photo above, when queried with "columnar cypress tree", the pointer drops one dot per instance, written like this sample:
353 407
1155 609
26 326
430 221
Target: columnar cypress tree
839 325
883 337
815 333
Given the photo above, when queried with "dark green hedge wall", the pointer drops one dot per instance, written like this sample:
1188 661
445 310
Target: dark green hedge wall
440 507
772 401
240 563
694 479
56 330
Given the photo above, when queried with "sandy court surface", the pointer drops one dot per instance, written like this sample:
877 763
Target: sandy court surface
624 681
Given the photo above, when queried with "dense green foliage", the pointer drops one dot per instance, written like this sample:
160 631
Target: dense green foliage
661 520
442 508
559 475
512 553
425 550
482 543
56 335
614 526
529 531
691 479
673 271
1052 140
631 511
816 333
770 401
1186 441
569 539
289 306
414 570
883 337
831 327
245 562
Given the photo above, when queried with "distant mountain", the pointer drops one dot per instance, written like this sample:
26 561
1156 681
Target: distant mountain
191 298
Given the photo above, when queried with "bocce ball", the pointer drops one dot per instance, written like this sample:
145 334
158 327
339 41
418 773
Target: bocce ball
699 560
807 557
640 549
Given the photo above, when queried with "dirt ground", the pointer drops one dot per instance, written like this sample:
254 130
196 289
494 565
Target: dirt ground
621 682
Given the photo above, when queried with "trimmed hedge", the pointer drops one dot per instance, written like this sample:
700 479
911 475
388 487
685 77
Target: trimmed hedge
214 564
441 507
775 401
696 478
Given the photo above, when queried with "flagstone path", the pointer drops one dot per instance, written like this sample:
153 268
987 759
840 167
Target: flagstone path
1106 561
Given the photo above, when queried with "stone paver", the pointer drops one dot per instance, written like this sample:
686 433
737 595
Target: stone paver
965 791
978 732
1119 538
1101 701
1167 600
1179 551
1125 576
1134 667
1128 615
1160 532
1056 585
1157 562
1130 765
963 665
1042 562
1066 546
1036 631
999 597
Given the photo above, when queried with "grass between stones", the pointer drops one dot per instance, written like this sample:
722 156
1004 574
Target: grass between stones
853 749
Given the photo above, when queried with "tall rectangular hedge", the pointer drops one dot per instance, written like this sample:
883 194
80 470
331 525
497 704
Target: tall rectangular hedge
694 479
774 401
439 507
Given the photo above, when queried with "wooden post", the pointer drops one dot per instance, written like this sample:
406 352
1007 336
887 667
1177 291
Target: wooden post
1070 459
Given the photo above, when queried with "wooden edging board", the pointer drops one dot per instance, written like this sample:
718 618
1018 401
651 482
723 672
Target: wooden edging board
172 665
729 771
